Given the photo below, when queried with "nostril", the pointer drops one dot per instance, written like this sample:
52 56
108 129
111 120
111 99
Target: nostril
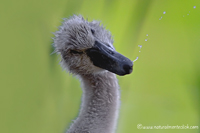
127 68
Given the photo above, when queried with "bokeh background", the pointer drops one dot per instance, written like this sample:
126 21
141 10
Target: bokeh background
37 96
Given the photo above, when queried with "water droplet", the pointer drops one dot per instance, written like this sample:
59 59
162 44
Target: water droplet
147 35
189 11
194 6
145 39
140 46
164 12
161 17
136 59
139 51
183 15
188 14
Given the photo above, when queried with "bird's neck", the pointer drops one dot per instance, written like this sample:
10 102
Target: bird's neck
100 104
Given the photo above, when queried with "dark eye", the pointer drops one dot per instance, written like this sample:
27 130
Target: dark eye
108 46
92 31
75 52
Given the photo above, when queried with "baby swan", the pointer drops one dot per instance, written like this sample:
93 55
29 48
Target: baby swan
87 51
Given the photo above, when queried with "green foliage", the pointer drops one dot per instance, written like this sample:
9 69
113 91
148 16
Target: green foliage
36 96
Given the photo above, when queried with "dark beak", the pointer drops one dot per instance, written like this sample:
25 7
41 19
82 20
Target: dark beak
107 58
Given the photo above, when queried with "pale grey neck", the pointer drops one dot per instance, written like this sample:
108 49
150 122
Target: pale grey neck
100 104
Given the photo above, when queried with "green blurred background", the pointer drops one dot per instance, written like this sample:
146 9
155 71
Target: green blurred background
37 96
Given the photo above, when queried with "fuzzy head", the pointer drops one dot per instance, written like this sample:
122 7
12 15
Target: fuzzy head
85 48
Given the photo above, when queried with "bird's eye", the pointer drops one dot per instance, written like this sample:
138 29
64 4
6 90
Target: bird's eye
92 31
75 52
108 46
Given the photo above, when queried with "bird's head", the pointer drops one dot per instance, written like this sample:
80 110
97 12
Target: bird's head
87 48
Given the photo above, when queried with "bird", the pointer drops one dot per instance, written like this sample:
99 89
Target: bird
87 52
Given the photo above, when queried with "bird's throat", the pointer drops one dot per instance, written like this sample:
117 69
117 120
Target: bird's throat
100 104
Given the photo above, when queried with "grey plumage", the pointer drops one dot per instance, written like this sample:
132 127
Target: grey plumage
100 100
